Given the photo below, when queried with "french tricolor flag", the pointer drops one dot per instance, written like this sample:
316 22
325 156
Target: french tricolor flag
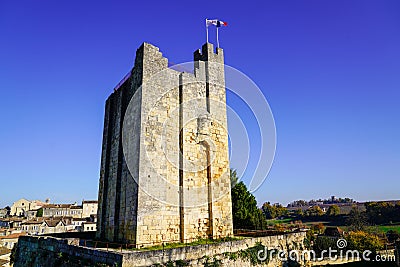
216 22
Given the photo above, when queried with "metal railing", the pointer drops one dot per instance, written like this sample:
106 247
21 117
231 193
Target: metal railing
126 77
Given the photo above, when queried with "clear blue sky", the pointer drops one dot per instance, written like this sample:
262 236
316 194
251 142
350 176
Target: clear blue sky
329 69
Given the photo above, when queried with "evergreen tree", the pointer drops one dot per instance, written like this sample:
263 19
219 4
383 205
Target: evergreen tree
246 214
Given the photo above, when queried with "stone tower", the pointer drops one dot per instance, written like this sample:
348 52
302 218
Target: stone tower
165 159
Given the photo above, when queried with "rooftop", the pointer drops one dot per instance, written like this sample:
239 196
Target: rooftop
4 251
12 236
35 221
58 206
90 201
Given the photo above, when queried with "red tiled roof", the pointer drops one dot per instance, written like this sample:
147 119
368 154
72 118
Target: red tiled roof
53 222
12 236
38 221
12 219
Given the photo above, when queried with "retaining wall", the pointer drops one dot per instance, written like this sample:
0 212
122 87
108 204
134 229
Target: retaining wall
48 251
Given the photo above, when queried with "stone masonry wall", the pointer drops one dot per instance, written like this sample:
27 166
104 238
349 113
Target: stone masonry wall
197 255
165 161
46 251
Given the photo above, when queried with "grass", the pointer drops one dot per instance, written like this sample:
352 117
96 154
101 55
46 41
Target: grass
385 228
273 221
194 243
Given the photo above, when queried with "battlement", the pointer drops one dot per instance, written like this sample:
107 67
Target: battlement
206 53
149 57
148 52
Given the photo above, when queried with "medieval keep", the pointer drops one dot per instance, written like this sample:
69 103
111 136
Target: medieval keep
165 159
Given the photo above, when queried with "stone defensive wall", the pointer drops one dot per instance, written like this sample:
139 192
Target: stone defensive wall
34 251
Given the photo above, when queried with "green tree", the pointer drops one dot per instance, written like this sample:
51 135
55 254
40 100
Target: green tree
39 213
392 236
8 210
299 212
269 210
315 211
246 214
234 177
382 212
273 211
318 228
333 210
357 220
362 241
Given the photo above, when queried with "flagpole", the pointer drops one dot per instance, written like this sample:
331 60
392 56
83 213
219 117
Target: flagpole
207 30
217 38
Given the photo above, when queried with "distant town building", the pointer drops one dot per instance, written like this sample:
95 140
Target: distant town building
41 218
5 254
68 210
21 206
30 214
8 231
54 226
58 210
93 218
9 240
33 227
89 226
78 224
3 213
89 207
42 226
11 222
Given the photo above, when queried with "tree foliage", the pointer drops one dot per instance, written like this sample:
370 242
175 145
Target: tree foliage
8 211
361 241
382 212
299 213
273 211
246 214
234 177
314 211
357 220
392 236
333 210
39 213
318 228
